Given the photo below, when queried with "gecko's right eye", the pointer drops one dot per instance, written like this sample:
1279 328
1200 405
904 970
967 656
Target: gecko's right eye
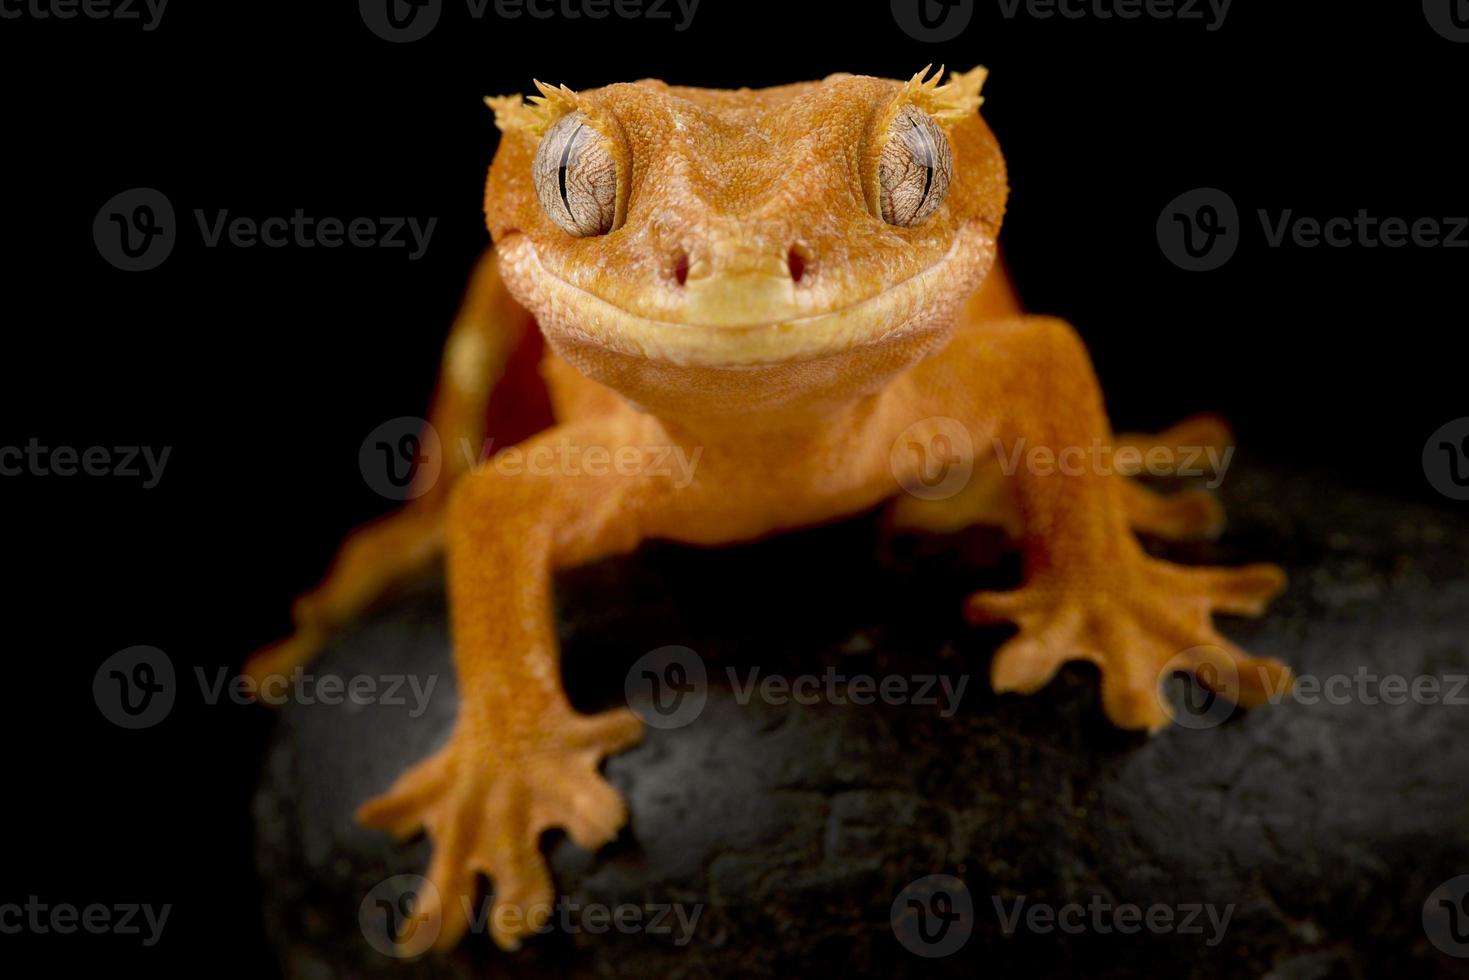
576 177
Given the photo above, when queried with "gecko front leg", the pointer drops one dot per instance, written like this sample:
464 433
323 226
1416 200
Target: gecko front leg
1090 592
1189 515
520 760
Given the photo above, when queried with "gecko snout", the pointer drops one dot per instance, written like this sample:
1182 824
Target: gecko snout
740 280
798 263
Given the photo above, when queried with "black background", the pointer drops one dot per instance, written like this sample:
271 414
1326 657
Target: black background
263 369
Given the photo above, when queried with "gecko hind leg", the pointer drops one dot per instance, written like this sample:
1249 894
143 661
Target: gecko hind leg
372 561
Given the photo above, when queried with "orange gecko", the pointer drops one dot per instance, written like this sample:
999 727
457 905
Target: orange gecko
794 287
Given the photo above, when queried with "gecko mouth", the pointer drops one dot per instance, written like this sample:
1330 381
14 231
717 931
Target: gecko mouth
926 300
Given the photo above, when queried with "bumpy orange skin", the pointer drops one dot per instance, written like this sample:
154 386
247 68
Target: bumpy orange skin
791 395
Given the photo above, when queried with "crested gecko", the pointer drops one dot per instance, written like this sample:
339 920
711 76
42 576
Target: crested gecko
800 285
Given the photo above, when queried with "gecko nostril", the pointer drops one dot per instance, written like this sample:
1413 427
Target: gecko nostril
681 266
797 259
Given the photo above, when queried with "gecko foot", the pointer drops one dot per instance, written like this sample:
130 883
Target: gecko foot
281 658
485 810
1191 515
1197 446
1133 621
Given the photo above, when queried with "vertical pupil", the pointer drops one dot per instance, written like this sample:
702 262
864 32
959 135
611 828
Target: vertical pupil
920 145
566 165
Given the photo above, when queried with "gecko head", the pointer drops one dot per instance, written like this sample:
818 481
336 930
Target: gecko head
679 236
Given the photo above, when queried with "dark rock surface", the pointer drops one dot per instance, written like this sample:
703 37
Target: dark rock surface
794 827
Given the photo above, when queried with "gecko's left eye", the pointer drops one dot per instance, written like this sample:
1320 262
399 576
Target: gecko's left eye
576 177
914 169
